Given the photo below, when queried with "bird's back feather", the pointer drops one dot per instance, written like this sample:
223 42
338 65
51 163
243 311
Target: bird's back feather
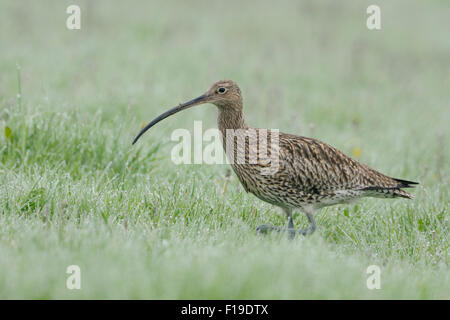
319 167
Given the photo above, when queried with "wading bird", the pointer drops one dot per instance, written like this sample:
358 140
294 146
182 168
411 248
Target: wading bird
310 174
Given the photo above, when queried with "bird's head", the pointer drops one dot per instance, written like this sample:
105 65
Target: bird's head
225 94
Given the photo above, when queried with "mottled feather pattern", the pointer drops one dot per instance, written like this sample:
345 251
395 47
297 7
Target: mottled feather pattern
312 173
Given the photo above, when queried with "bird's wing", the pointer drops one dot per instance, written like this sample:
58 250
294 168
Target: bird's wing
316 167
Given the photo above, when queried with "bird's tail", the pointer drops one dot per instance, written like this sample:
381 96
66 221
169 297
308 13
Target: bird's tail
392 191
404 184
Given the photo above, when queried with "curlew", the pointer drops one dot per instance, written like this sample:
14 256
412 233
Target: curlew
309 175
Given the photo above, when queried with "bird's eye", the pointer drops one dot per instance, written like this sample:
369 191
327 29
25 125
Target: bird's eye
221 90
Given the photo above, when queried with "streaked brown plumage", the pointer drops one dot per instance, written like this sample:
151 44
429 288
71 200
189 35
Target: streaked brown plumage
311 174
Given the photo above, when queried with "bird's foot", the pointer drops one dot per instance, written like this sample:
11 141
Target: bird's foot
265 228
292 232
305 232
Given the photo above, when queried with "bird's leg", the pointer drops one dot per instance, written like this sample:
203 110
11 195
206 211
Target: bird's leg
312 228
290 229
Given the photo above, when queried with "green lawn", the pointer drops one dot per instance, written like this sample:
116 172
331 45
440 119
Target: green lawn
73 191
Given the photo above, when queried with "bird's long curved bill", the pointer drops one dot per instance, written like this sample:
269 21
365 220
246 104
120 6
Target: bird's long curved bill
170 112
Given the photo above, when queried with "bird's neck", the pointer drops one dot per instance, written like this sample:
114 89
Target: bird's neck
230 118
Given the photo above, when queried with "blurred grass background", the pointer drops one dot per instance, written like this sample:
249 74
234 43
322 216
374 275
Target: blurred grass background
74 191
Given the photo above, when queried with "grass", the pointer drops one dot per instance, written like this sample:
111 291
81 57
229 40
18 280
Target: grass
74 191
